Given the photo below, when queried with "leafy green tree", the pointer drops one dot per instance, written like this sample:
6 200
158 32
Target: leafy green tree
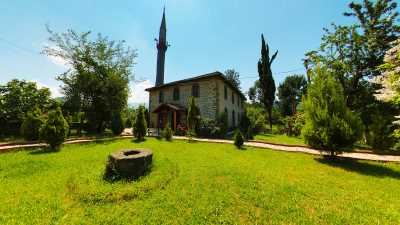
167 133
17 98
97 83
140 125
239 139
193 115
354 51
290 93
233 77
117 124
329 123
255 93
267 83
55 130
31 126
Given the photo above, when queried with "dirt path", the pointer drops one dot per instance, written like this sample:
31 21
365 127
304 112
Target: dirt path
354 155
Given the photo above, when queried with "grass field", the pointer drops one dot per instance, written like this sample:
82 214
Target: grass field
280 139
196 183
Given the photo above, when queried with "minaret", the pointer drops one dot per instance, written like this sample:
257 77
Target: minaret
162 46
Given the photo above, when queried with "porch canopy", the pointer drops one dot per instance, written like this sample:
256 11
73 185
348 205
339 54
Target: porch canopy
169 107
169 115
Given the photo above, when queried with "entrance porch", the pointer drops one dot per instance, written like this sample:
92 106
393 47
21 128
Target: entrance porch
170 115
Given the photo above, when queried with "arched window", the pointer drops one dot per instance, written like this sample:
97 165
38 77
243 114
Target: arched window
195 90
176 94
233 98
161 97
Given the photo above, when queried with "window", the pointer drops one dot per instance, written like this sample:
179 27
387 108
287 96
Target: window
233 98
238 100
195 90
239 118
161 97
233 118
225 92
226 111
176 94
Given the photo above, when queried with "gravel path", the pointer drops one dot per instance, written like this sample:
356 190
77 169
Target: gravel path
354 155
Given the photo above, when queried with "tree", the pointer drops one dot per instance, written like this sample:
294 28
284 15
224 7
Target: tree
97 83
55 130
31 126
329 123
117 123
290 93
267 83
255 93
233 77
239 139
354 51
193 115
140 125
17 98
390 81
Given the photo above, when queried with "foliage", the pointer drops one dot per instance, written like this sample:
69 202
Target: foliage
17 98
290 93
117 124
223 123
245 126
233 77
55 129
167 133
181 130
209 128
267 83
293 124
255 92
140 124
193 115
257 117
97 83
354 51
329 123
239 139
128 122
31 125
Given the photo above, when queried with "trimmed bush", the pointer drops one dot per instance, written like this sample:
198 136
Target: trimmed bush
167 133
239 139
55 130
117 124
140 125
30 128
329 124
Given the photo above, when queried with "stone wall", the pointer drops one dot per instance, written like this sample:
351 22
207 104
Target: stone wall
237 106
207 100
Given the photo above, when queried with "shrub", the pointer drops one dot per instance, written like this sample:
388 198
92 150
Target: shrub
167 133
30 127
181 130
140 125
239 140
55 130
209 129
117 124
329 124
193 114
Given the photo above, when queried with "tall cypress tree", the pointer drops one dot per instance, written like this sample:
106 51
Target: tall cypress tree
267 82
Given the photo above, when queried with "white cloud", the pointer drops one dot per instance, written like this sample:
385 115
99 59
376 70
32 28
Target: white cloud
138 94
55 91
56 59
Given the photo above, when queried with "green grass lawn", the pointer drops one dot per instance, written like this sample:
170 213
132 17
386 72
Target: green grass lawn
280 139
196 183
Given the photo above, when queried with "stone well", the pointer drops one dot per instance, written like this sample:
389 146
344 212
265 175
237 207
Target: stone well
129 164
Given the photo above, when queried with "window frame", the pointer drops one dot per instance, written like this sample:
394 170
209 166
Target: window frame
196 90
176 94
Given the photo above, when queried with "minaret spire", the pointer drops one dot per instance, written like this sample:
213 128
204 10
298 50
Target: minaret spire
162 46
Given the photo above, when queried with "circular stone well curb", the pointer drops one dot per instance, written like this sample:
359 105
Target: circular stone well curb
131 163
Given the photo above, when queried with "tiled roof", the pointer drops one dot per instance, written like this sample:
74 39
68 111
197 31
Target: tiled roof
204 76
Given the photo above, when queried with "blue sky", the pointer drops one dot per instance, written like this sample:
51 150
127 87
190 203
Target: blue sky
205 35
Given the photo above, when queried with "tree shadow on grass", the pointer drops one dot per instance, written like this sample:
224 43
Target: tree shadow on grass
138 140
44 150
359 166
